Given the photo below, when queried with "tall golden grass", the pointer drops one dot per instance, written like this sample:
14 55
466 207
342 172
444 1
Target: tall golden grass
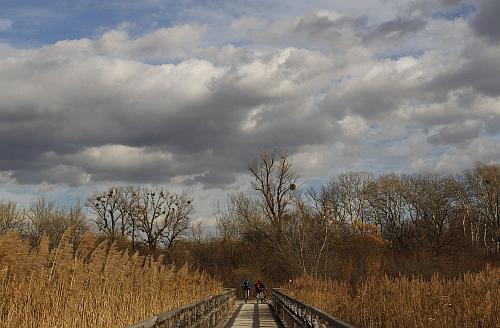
90 286
473 300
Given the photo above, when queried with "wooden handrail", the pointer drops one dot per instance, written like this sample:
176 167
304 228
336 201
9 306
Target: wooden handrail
294 313
209 312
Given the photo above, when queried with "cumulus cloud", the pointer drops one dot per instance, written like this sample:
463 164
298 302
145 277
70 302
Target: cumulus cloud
113 119
162 107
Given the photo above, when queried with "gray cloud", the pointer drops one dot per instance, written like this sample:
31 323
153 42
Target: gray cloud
85 111
480 70
327 25
451 3
486 22
395 29
456 159
108 119
426 8
456 133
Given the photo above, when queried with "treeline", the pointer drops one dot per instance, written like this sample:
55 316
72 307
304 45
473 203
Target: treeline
395 250
419 223
43 217
356 223
149 218
139 219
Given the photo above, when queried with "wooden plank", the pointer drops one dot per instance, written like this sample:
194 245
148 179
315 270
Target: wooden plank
252 315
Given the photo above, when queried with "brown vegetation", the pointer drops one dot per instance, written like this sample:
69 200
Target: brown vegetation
90 286
442 230
472 300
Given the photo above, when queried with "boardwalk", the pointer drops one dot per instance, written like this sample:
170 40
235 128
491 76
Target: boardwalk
214 312
252 315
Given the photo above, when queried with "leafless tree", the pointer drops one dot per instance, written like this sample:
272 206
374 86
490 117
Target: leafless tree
274 180
10 217
197 232
350 191
241 217
162 216
386 197
309 232
45 217
432 211
482 186
111 211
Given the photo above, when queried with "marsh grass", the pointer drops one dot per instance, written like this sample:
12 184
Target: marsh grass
90 286
472 300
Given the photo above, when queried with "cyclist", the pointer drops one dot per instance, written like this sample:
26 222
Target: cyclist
246 289
260 291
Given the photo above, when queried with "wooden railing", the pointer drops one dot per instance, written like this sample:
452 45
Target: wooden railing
210 312
293 313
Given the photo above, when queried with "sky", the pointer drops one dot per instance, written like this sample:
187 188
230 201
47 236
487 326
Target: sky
184 94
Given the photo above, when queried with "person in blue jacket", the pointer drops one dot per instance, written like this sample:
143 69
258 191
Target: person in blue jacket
247 285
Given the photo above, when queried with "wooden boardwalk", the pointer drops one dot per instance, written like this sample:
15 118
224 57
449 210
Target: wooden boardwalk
252 315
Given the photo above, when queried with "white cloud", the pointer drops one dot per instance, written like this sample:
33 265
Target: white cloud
160 44
353 126
336 90
458 159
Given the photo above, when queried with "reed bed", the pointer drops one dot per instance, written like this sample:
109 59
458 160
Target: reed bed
473 300
89 285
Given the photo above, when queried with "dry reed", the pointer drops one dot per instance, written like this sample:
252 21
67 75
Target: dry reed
473 300
90 286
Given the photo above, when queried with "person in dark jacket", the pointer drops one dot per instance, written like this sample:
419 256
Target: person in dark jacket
247 285
260 291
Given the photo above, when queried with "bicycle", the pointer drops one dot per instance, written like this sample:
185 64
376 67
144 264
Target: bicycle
262 297
246 294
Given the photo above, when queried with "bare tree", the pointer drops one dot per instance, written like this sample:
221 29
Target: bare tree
241 217
111 211
309 232
10 217
483 193
197 232
433 211
274 180
162 216
386 197
179 221
351 190
45 217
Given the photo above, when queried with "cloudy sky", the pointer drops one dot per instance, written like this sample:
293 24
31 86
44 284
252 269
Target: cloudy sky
185 93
